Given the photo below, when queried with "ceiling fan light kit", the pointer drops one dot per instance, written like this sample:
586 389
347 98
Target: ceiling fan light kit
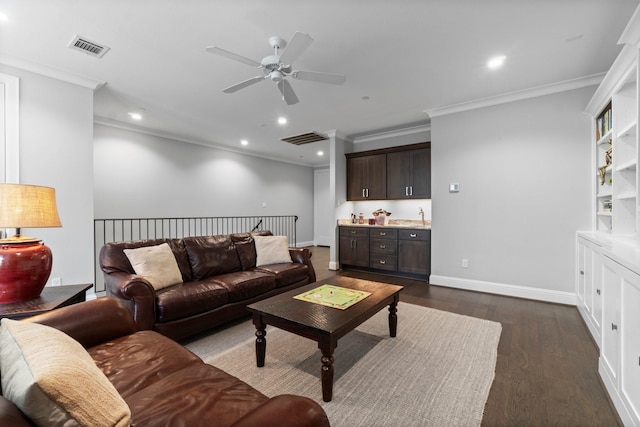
277 67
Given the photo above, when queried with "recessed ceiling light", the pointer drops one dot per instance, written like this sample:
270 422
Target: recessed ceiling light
496 62
320 153
135 116
244 142
282 120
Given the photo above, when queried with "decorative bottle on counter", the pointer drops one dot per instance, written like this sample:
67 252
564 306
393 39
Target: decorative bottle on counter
361 218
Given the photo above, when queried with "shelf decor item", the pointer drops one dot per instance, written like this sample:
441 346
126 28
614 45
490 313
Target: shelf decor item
25 262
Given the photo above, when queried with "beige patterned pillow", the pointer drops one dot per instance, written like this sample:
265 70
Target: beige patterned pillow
272 250
54 381
157 264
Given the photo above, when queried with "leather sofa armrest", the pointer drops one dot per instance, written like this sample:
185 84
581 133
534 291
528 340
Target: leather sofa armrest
136 293
92 322
285 410
303 256
11 416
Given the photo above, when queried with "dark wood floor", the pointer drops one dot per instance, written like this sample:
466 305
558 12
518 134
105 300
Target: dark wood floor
546 371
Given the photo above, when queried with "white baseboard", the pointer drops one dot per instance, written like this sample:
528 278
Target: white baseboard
304 244
334 265
547 295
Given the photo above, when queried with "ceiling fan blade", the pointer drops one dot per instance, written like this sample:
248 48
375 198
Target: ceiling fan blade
234 56
334 79
244 84
287 92
298 44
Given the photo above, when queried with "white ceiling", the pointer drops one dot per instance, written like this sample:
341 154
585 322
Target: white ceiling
407 56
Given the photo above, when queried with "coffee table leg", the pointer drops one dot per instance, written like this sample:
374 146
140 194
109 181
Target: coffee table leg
261 340
393 317
327 376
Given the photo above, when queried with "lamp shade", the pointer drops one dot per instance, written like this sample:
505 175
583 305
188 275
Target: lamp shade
28 206
25 262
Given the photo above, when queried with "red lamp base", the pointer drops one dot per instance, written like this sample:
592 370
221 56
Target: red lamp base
24 270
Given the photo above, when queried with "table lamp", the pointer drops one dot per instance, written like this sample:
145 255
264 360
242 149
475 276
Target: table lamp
25 262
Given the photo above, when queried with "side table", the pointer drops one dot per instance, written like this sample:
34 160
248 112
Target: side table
52 297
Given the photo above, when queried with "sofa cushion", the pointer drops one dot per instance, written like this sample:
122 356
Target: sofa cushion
246 248
211 255
271 250
113 259
287 274
157 264
246 284
188 299
198 395
136 361
53 380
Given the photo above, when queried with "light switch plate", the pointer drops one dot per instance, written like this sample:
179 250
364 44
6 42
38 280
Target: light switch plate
454 188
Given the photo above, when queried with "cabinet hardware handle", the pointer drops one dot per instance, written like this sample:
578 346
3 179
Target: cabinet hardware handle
383 261
353 231
412 235
406 191
367 192
382 233
614 327
383 246
363 193
582 272
598 291
411 190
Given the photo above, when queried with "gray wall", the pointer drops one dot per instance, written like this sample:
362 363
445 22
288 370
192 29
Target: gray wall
524 174
55 144
138 175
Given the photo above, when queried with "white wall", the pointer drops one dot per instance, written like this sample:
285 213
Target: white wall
138 175
55 150
524 175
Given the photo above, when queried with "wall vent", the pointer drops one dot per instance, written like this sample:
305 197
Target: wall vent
304 138
87 46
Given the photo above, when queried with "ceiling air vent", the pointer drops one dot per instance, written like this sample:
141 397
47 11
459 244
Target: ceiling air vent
87 46
304 138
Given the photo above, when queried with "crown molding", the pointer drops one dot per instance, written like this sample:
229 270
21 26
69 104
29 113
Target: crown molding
631 33
173 137
617 75
54 73
520 95
336 134
411 130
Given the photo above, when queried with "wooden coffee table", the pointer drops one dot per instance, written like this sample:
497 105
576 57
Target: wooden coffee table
325 325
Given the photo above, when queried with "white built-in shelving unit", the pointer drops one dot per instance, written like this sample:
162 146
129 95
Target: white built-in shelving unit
608 255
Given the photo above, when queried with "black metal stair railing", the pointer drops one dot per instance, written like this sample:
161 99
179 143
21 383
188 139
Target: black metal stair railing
129 229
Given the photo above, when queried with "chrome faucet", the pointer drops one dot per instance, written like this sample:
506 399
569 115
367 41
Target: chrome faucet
421 212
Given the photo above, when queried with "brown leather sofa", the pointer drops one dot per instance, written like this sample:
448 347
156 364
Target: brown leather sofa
163 383
220 279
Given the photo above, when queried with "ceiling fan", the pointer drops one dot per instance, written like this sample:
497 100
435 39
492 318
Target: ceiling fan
277 67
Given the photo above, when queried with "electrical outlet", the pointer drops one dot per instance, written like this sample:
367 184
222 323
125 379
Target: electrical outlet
56 281
465 263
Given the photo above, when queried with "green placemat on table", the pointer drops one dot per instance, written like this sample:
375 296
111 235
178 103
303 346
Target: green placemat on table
333 296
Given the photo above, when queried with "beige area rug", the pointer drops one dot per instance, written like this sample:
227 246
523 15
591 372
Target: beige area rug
436 372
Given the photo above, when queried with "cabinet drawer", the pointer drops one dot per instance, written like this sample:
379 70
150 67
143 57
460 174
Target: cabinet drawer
415 234
383 233
354 231
383 262
383 246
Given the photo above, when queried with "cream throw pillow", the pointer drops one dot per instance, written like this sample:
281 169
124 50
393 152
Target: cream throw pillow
54 381
157 264
272 250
